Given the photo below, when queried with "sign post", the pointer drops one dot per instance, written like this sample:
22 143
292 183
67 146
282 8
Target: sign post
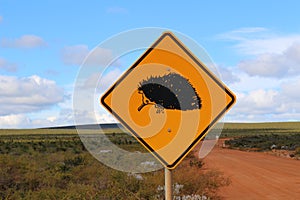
168 184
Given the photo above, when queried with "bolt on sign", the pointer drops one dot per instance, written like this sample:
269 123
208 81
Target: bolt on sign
168 100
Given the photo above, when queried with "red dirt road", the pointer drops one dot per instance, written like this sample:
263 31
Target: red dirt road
256 175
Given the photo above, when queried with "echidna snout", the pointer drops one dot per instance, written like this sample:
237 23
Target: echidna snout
145 101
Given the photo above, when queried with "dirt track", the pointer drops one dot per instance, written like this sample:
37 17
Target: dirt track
256 175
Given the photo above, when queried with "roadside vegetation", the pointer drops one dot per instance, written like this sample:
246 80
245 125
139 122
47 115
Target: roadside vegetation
280 138
254 129
54 164
48 164
266 142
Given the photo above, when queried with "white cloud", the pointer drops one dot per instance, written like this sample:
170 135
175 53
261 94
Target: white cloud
108 79
290 98
27 121
274 65
74 55
269 75
101 82
228 76
291 90
262 104
14 121
86 97
1 18
70 116
257 102
27 94
100 56
272 55
80 54
8 66
249 83
259 40
105 118
235 34
25 41
267 45
92 117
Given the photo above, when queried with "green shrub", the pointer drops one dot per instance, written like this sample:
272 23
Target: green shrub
59 167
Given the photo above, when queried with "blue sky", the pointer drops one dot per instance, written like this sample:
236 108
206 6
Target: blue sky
255 45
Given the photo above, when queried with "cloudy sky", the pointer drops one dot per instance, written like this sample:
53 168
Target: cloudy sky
255 45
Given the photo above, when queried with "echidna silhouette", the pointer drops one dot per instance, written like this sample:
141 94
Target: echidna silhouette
170 91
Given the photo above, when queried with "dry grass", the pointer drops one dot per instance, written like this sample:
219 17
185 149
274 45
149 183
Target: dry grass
264 125
56 131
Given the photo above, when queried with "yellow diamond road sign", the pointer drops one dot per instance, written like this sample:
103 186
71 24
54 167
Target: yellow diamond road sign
168 100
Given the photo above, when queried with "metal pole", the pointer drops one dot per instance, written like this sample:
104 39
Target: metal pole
168 184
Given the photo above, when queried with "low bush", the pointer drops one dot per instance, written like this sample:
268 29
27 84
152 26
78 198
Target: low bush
58 167
266 142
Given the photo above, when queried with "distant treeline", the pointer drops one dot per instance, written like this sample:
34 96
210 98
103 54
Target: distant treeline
88 126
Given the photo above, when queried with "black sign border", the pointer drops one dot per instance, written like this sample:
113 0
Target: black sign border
204 132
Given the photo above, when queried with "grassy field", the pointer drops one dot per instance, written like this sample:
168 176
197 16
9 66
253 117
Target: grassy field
55 131
229 129
264 125
252 129
54 164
